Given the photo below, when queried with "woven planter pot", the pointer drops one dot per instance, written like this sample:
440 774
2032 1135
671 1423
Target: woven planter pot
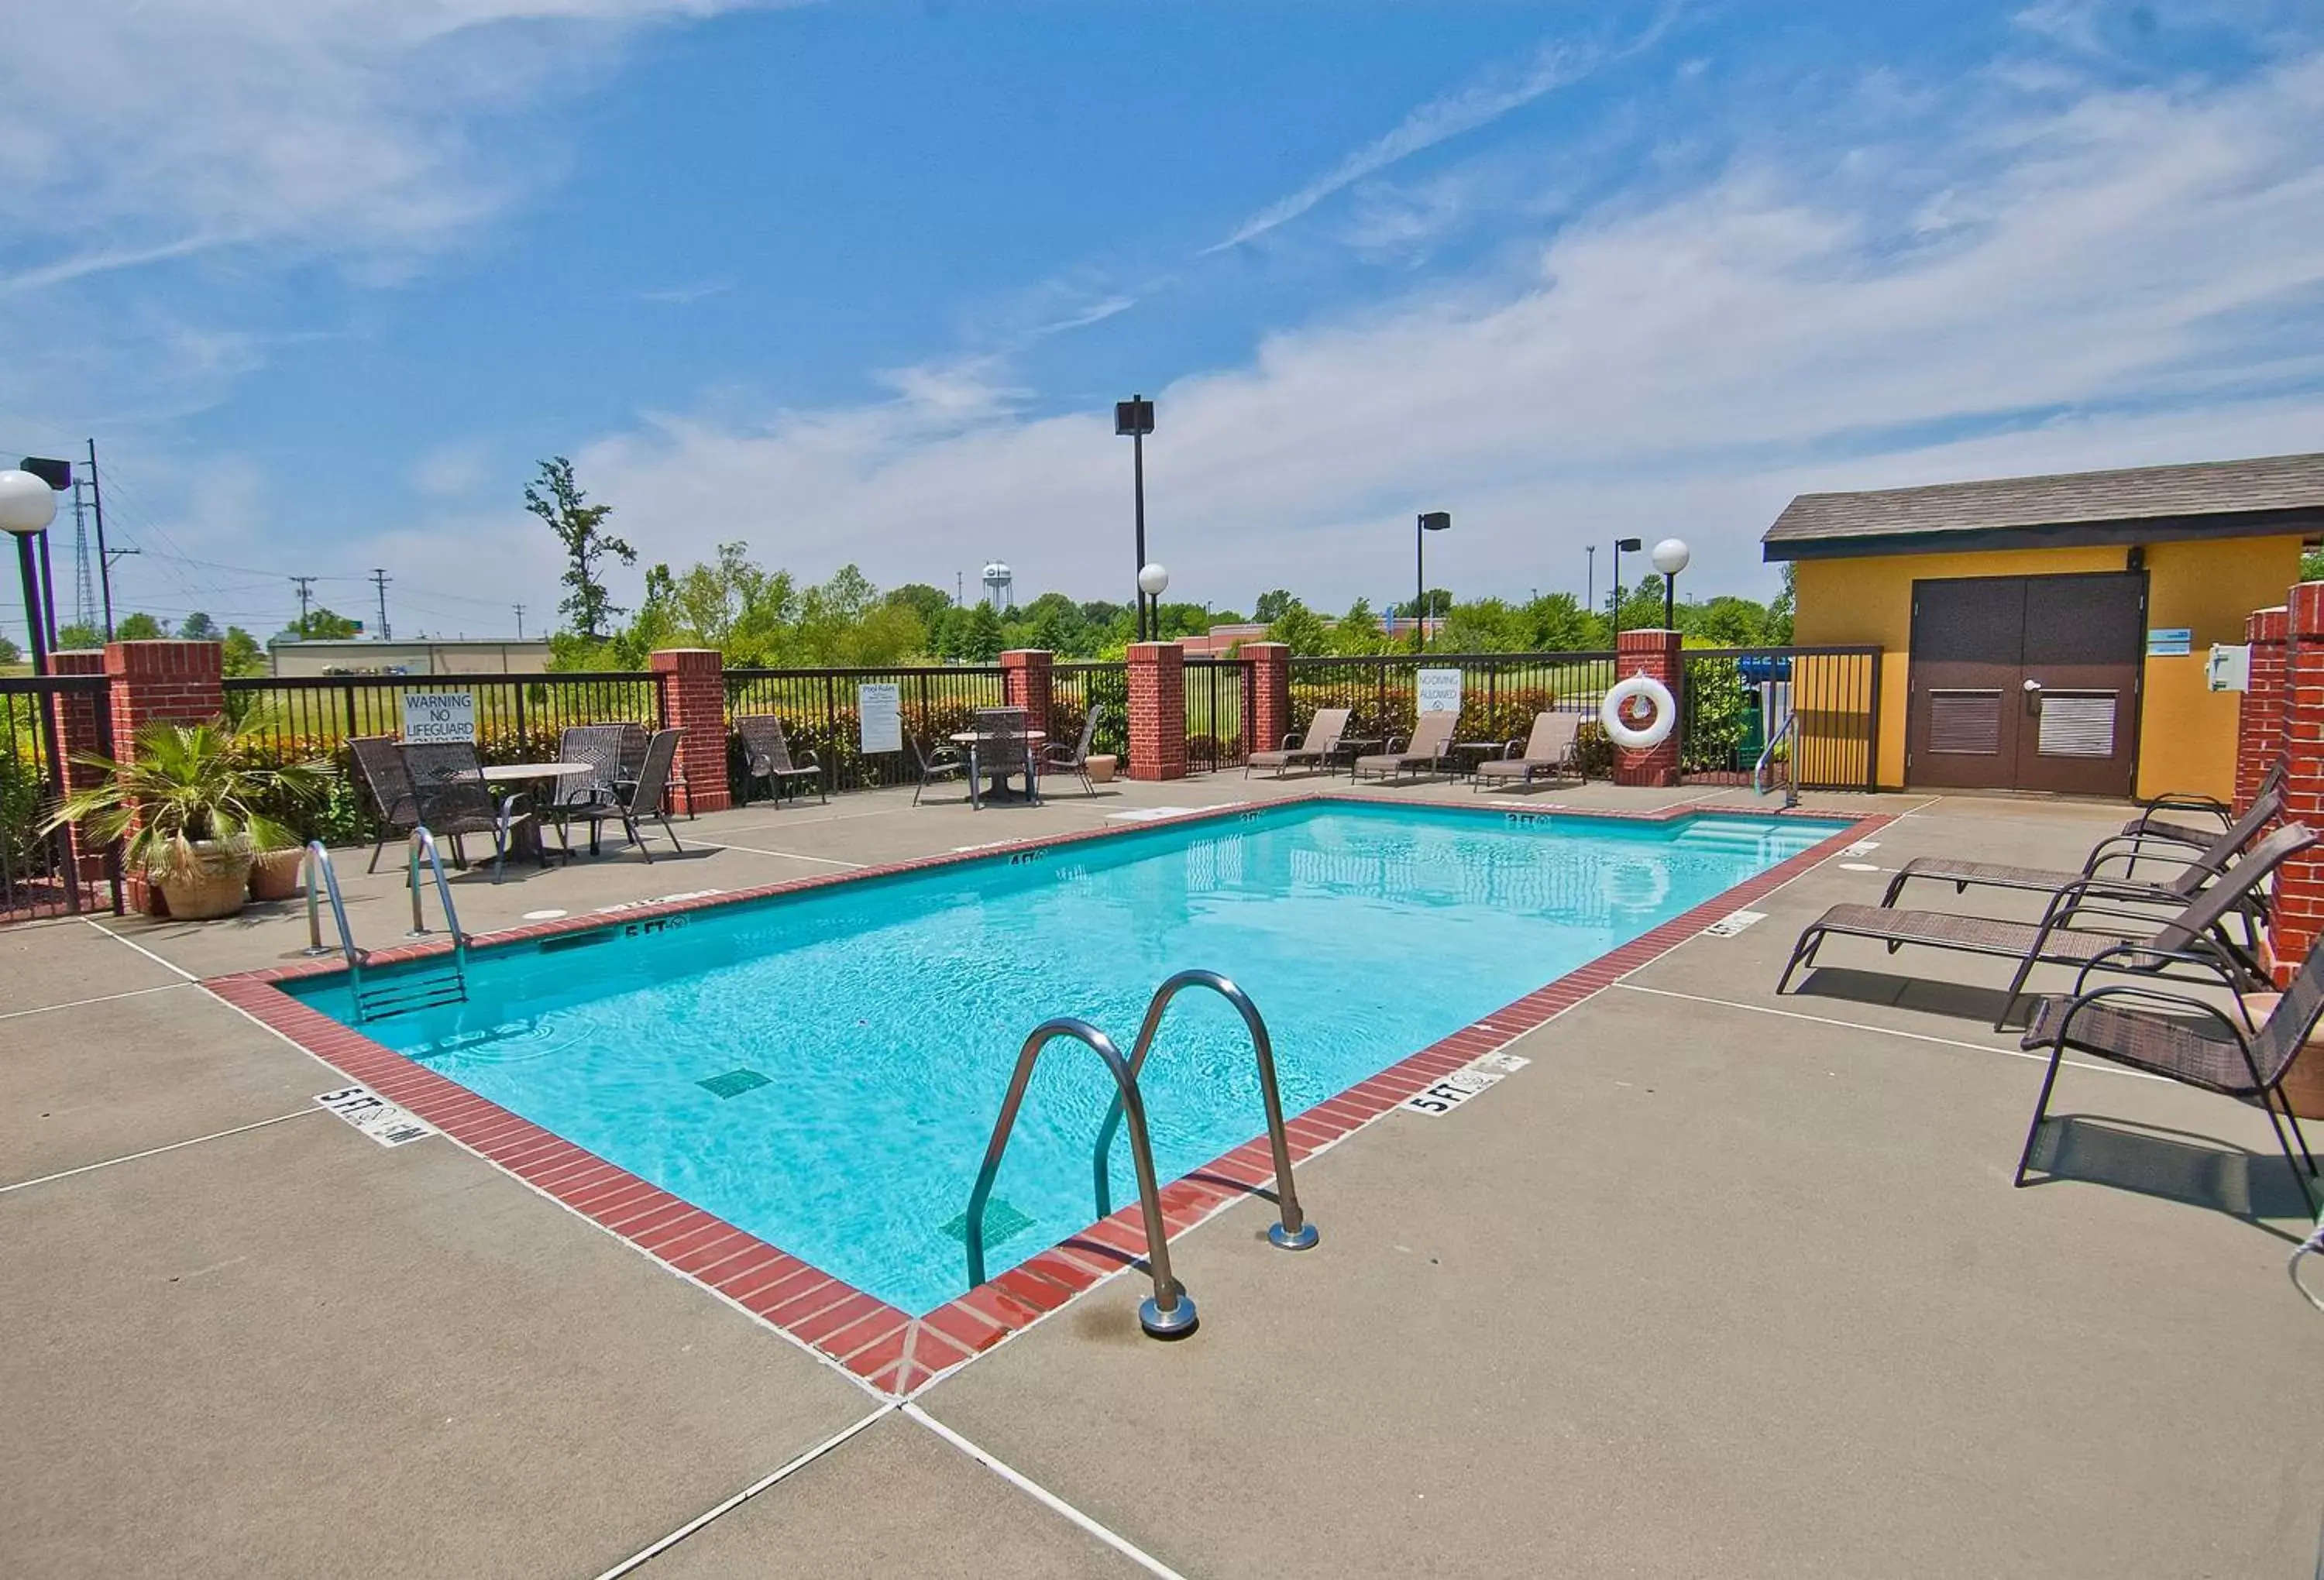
274 875
217 885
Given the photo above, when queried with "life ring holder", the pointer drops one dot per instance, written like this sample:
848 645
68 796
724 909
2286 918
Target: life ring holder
1632 737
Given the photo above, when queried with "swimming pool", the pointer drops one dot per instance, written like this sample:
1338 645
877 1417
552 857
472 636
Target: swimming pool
823 1069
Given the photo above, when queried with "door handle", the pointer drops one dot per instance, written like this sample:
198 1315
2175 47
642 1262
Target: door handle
2033 685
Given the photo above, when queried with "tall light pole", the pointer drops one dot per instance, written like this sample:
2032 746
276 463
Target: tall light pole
1622 546
1429 521
1670 558
27 505
1590 585
1135 418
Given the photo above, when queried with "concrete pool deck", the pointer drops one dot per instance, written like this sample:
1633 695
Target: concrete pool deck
1719 1283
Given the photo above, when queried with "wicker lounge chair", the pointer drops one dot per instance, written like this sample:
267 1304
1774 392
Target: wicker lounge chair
2194 940
380 760
648 798
943 762
452 800
767 756
1314 748
2204 1048
1057 758
2161 827
1548 752
1432 739
2195 871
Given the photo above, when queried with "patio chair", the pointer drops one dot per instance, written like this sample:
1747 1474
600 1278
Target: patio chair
767 755
2195 939
1432 739
2204 1048
600 747
2195 871
635 740
945 761
2160 828
1314 748
380 760
1003 746
1057 758
451 799
1549 750
648 798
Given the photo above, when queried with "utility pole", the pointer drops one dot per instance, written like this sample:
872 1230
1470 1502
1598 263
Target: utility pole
520 622
1589 597
959 587
380 579
306 585
84 585
104 560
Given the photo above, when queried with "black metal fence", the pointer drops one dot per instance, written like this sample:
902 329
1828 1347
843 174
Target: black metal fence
36 867
1218 698
519 717
1500 693
1075 689
1736 699
820 713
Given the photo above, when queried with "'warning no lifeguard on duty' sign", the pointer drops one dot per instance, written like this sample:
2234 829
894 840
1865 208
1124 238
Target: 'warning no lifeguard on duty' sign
434 718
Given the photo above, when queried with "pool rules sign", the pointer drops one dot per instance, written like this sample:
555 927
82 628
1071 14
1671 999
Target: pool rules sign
880 717
436 718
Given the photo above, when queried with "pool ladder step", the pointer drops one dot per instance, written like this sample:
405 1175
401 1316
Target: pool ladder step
404 991
1169 1312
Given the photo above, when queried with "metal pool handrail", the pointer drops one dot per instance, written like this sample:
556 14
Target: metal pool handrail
423 843
1763 771
1293 1232
316 862
1170 1312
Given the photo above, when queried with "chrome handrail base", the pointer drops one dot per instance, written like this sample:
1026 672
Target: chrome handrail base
1177 1322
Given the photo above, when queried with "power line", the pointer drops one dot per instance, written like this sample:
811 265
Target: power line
380 579
306 585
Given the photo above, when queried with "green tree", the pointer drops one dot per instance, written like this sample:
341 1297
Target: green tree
1301 628
1779 611
321 625
980 642
1271 606
79 638
1485 625
9 653
1359 631
929 603
140 626
199 628
1555 623
580 527
243 654
1435 604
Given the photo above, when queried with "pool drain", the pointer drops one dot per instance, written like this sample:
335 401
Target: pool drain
733 1083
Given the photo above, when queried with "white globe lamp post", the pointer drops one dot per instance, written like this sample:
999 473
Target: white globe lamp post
1153 581
1670 557
27 505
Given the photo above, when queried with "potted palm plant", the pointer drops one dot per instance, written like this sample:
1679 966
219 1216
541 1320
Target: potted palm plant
186 813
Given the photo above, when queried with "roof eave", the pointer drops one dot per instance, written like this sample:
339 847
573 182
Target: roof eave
2303 519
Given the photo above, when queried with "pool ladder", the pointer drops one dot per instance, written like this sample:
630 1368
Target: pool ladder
404 992
1763 772
1169 1312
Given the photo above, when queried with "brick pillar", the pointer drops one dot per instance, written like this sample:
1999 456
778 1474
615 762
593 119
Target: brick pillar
79 718
694 699
161 682
1157 711
1655 654
2259 714
1025 683
2300 883
1268 719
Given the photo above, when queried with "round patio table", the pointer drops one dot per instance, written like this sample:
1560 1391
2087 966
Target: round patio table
1033 739
526 837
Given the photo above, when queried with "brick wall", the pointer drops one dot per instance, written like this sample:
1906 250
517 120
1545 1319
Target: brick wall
80 721
1653 653
2259 714
2299 885
161 682
694 700
1269 718
1157 711
1025 680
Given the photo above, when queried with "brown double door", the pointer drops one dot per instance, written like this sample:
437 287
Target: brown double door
2026 683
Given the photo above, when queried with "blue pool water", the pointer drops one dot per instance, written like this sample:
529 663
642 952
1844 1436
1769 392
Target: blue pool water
883 1016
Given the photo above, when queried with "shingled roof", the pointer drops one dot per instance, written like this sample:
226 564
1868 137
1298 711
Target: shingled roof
2274 493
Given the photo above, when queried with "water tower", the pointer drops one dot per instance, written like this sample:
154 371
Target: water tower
999 587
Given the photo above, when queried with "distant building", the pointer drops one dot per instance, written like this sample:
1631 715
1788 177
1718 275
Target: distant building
460 655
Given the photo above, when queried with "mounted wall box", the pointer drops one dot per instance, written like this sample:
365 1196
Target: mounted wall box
2229 668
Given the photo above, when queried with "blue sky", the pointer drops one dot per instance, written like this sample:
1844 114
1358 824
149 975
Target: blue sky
859 281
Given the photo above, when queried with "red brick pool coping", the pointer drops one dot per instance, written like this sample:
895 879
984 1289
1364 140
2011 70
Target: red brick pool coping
889 1350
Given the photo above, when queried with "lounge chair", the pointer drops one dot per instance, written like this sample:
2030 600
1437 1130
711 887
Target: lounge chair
2160 828
945 762
451 799
380 760
1057 758
648 798
1315 748
1432 739
2195 871
2204 1048
1548 751
2195 939
767 756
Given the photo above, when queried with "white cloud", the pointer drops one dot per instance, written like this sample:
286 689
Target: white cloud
2111 284
452 472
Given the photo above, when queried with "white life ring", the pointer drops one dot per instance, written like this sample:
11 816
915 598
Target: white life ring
1624 733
